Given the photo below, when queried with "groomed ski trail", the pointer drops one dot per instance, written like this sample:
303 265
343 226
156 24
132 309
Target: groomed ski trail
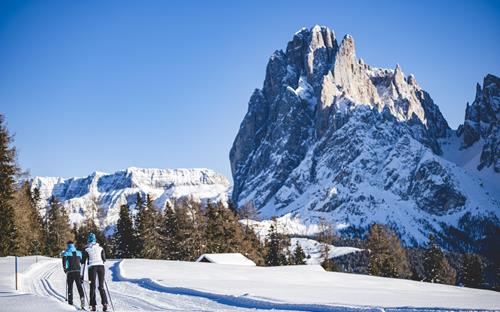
47 279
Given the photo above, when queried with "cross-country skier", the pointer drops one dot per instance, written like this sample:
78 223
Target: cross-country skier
96 257
71 259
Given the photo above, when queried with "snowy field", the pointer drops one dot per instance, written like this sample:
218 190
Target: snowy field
156 285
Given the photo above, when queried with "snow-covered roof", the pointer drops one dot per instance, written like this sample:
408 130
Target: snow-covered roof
226 258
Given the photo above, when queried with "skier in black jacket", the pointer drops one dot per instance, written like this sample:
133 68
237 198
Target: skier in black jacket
71 259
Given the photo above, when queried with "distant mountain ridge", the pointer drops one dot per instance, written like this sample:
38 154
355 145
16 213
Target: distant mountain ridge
110 191
329 136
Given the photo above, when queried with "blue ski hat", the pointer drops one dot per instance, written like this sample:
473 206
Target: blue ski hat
91 238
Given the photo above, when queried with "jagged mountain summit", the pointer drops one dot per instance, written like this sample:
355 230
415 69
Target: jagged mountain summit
109 191
329 136
481 124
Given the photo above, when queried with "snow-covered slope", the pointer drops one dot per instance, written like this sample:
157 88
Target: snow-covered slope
110 191
159 285
314 250
331 137
305 288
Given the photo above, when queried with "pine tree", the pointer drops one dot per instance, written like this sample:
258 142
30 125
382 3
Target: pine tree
149 230
124 235
191 228
36 221
277 246
273 247
252 247
8 173
387 256
436 267
139 205
214 231
299 256
472 271
170 234
223 232
59 230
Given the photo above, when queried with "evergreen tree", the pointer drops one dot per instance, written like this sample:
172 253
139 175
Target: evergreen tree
8 173
299 256
277 245
191 228
387 256
36 221
59 230
170 234
252 247
149 230
139 205
436 267
223 232
472 271
273 247
214 231
124 238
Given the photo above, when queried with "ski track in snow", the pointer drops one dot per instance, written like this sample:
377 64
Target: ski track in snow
47 279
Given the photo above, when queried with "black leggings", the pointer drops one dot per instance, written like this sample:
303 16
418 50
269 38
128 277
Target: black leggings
97 270
70 278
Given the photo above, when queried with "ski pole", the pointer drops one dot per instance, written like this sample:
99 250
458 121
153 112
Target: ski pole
110 300
83 286
66 282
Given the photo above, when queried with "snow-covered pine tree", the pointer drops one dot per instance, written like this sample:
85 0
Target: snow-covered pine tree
299 256
8 173
124 239
59 230
436 267
472 271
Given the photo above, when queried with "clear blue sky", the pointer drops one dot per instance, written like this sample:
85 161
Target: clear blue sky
104 85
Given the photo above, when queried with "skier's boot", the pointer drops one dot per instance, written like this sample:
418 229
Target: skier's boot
105 307
82 301
92 308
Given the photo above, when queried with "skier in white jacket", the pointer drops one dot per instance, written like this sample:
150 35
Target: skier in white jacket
96 257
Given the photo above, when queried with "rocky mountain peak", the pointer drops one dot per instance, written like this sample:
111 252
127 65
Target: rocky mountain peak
481 124
329 135
110 191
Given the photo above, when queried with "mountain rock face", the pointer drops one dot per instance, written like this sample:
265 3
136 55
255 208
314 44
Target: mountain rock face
109 191
482 123
329 136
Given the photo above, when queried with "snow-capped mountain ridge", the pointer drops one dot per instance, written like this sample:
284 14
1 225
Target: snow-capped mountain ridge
329 136
110 191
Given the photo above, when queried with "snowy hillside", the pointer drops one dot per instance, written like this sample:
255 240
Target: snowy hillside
110 191
191 286
313 250
328 136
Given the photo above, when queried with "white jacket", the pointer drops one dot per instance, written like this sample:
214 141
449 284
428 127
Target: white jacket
95 254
